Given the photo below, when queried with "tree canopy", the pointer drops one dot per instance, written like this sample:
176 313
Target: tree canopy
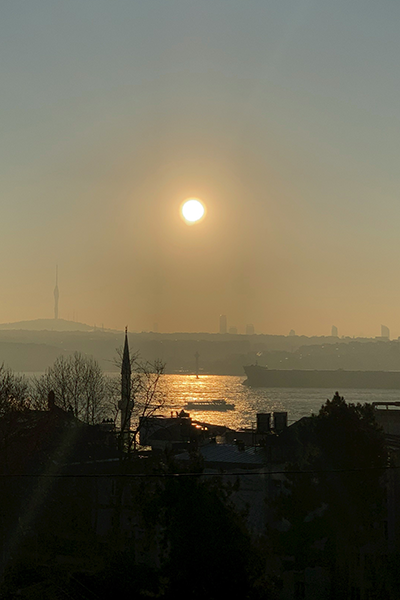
78 383
335 497
14 391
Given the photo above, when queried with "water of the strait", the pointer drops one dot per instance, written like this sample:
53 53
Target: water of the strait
297 402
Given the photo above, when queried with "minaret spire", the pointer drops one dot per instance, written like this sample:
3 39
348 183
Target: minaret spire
56 296
126 403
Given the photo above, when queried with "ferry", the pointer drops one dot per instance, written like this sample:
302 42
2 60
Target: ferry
220 405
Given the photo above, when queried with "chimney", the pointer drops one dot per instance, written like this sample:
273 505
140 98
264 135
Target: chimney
280 421
263 422
51 400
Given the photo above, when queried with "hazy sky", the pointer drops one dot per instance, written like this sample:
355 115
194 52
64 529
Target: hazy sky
283 117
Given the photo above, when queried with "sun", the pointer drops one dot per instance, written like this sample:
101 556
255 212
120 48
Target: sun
192 211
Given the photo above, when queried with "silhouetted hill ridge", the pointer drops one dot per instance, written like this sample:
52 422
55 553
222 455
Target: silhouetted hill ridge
49 325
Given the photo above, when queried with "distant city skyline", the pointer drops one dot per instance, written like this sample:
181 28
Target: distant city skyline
49 323
223 327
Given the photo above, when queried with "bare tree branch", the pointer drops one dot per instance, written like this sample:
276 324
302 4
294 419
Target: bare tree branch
78 384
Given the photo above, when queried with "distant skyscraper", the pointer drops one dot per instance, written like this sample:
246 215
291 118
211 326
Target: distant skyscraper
233 330
385 333
223 324
292 332
334 331
56 296
250 329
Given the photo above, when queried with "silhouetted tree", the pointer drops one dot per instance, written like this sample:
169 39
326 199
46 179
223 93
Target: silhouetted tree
209 553
335 498
14 391
79 384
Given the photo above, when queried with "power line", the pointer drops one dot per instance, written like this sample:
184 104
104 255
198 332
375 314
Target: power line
189 474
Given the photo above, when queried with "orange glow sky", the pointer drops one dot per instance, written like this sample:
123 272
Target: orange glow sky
283 118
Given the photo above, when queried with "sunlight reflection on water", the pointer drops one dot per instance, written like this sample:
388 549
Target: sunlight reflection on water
298 402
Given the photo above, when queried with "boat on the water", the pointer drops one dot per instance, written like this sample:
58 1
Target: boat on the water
258 376
220 405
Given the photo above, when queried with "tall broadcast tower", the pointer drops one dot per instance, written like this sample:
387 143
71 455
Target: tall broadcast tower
56 296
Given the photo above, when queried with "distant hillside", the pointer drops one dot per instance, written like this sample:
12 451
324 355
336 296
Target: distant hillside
47 325
34 345
28 357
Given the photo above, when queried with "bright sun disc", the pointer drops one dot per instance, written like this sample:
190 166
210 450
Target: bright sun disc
192 210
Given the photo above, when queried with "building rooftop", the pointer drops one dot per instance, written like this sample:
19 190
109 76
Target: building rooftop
229 455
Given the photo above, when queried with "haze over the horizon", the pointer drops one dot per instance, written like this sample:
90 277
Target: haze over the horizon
282 117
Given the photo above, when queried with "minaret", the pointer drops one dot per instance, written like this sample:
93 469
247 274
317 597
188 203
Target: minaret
56 296
126 404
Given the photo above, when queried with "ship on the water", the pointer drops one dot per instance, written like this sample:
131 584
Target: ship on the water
220 405
258 376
